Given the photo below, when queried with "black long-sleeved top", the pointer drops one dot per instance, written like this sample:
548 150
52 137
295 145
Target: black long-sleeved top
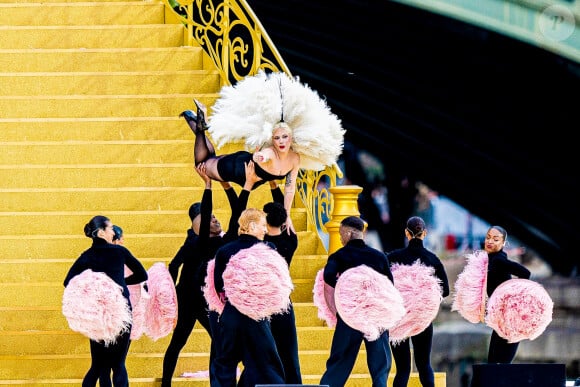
501 269
415 250
197 250
353 254
224 253
286 244
206 246
109 259
186 250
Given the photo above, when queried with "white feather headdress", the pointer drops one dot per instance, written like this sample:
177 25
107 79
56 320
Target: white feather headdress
249 111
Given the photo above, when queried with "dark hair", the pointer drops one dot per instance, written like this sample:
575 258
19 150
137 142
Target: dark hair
353 222
194 210
118 232
276 214
415 226
97 223
501 230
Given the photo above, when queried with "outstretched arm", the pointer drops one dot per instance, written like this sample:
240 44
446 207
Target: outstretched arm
289 192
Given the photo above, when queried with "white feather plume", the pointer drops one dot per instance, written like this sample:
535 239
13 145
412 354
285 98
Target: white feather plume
249 110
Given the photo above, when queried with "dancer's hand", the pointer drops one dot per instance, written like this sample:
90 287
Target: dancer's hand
201 172
289 226
251 177
259 156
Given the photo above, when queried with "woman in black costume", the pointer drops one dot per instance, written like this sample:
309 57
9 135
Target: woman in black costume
275 162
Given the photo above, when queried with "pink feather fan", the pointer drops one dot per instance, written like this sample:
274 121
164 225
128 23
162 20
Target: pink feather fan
368 301
257 282
519 309
94 305
421 292
211 297
161 315
323 297
139 298
470 288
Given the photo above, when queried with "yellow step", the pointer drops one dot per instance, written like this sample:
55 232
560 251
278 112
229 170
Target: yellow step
70 246
355 380
125 199
95 129
66 341
116 199
100 106
96 13
101 59
111 36
97 152
134 223
109 83
139 365
50 318
49 292
43 269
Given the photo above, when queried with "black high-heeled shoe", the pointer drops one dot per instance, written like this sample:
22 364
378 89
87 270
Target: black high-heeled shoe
191 119
201 125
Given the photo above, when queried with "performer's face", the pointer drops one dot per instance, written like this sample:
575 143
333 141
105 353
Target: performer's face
259 228
282 139
107 233
494 241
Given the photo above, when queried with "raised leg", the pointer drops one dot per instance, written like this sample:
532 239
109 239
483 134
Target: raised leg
203 149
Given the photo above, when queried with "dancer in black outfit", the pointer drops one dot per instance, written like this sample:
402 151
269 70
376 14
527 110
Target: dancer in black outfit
415 233
283 325
346 341
499 270
240 337
104 256
196 252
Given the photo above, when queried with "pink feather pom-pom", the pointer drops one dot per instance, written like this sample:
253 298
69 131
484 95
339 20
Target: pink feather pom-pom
94 305
368 301
211 297
421 292
161 314
519 309
257 282
470 288
139 298
323 296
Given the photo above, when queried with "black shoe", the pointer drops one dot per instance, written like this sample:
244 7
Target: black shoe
201 125
190 118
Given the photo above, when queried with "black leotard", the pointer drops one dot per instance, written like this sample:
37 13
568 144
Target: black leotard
231 168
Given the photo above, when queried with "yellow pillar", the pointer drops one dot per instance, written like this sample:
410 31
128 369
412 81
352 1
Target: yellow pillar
345 203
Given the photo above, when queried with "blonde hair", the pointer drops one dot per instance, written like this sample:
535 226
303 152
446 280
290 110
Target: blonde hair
249 216
282 125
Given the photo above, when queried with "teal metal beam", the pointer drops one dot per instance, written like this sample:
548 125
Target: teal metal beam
549 25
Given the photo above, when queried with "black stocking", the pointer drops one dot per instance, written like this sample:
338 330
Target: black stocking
202 149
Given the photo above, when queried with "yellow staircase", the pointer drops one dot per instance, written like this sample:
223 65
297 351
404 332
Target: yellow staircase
90 94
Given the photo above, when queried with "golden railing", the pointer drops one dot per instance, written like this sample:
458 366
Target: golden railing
236 42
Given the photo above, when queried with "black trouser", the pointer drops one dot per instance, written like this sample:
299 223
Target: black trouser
346 343
284 331
422 355
106 358
500 351
244 339
191 307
